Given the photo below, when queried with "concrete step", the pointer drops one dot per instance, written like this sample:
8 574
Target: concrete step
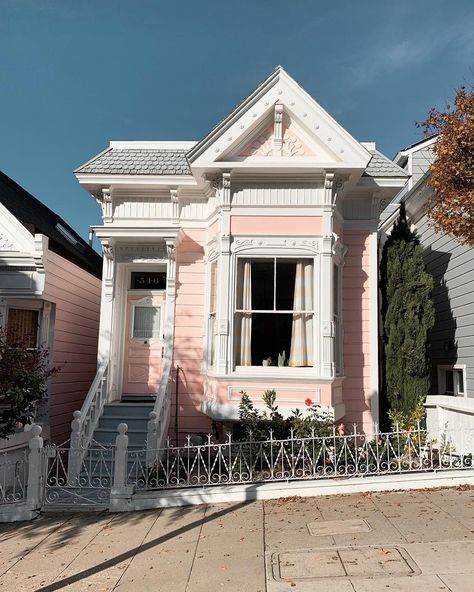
128 410
107 437
111 422
145 398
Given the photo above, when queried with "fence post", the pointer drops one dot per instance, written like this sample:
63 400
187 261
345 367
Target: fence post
151 439
75 451
35 469
121 493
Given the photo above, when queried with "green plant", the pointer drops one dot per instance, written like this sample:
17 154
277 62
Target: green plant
408 316
258 424
408 421
24 372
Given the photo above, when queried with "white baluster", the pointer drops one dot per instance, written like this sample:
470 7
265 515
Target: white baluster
34 492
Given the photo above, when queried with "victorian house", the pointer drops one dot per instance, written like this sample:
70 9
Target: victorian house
245 261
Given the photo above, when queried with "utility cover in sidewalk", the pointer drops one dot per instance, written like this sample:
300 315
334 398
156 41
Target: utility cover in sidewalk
342 562
332 527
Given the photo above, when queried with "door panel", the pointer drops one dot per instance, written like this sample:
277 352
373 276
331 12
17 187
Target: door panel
143 345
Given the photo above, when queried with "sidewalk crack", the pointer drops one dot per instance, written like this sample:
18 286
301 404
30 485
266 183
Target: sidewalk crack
196 548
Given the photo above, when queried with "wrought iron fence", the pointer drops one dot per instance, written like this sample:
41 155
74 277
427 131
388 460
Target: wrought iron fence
78 477
13 476
291 459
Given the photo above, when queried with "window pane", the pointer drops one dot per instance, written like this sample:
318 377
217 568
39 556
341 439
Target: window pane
460 382
23 325
271 336
262 284
146 322
285 284
449 381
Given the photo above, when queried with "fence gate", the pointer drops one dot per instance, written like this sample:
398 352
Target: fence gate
77 478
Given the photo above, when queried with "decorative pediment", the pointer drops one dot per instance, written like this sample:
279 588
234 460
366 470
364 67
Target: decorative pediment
278 123
14 237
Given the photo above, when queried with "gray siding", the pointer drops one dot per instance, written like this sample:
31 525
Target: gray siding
421 160
452 267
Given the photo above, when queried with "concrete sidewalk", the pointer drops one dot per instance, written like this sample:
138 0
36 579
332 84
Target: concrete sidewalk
409 541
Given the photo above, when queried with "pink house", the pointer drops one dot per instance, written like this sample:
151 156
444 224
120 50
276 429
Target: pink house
50 281
242 262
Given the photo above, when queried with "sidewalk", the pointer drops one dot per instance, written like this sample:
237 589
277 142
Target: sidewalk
409 541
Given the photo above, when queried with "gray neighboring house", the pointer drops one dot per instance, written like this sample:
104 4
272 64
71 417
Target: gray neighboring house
450 405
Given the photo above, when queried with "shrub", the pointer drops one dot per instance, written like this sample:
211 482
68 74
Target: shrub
24 372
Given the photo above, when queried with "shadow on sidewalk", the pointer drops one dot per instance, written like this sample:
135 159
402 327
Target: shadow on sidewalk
131 553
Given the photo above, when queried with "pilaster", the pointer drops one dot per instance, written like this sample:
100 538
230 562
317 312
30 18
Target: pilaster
175 205
223 363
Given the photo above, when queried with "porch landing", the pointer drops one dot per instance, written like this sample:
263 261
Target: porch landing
396 541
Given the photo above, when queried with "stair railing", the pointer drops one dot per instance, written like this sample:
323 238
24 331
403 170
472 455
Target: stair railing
86 420
159 418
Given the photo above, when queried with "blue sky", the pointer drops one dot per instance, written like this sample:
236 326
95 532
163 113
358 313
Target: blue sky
75 74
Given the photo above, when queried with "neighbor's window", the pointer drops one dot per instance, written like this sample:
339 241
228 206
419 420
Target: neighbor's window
452 380
273 323
23 325
146 322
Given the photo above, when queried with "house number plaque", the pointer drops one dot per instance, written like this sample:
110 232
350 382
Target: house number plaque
148 280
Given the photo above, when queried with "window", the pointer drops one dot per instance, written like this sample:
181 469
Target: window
146 322
23 325
273 321
451 380
212 327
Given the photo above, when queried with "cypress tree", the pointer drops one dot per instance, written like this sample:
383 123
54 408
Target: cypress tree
408 316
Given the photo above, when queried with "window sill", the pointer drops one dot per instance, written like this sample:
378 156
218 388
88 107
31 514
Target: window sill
265 373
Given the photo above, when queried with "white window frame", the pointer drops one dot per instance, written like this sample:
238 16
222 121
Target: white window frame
442 369
212 333
145 304
257 370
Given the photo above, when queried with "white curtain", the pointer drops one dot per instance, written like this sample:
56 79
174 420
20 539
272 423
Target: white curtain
301 353
246 324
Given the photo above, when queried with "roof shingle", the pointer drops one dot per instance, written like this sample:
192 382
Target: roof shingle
381 166
138 161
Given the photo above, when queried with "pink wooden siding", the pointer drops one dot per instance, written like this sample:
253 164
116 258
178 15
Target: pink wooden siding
188 334
76 295
283 225
356 319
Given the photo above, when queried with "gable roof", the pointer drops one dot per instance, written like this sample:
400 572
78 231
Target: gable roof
38 218
140 161
381 166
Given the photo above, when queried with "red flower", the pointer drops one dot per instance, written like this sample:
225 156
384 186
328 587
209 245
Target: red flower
308 402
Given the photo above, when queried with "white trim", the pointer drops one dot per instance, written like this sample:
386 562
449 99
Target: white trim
152 144
107 179
441 372
276 490
374 329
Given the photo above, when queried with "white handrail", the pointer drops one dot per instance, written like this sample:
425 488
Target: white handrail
157 428
86 420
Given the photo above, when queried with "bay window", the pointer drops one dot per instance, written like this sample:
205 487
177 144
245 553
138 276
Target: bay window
274 312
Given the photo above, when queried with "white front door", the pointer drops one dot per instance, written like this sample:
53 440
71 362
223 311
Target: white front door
143 344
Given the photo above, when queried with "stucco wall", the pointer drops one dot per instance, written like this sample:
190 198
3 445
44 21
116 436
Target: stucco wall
76 296
356 307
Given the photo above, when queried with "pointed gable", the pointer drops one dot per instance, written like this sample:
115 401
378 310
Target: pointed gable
278 123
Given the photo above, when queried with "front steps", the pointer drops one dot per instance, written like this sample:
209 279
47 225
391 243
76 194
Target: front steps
133 410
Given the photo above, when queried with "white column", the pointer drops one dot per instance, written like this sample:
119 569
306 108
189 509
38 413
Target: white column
107 304
327 281
374 325
170 302
223 362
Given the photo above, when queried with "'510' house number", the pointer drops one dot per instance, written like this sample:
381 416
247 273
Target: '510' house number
148 280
